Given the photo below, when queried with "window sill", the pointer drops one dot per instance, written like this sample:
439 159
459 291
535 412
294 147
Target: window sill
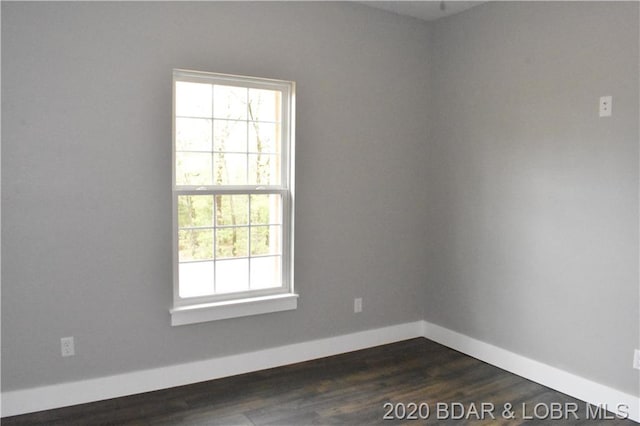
233 309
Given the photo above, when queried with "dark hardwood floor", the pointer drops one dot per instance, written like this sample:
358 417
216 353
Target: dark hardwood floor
350 389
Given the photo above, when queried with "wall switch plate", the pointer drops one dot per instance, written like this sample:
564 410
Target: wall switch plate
357 305
636 359
606 106
67 346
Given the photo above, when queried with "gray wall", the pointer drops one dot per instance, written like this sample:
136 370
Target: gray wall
86 184
535 221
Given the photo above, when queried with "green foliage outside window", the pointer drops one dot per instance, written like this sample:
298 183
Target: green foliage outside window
197 216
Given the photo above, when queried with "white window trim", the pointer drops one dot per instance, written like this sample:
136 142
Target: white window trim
233 308
224 306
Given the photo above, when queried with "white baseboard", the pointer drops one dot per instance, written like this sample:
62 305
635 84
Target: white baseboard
80 392
91 390
551 377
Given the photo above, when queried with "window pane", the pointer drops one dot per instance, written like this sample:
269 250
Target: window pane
264 169
232 242
193 134
230 102
264 137
232 209
196 279
266 272
193 99
232 275
196 244
193 168
230 136
264 105
230 169
266 209
266 240
195 210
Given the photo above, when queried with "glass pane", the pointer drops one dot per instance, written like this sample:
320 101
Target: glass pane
196 244
266 240
264 105
264 169
266 209
230 102
195 279
232 275
232 242
193 99
230 169
230 136
264 137
195 210
232 209
193 134
193 168
266 272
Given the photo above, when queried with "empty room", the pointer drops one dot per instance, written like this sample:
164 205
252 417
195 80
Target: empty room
291 213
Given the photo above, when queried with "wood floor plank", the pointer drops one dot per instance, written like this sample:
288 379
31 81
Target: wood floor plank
347 389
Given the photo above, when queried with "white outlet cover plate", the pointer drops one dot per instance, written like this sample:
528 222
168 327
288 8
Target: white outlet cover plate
67 346
606 106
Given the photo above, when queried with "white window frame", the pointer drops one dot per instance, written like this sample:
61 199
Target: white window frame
252 302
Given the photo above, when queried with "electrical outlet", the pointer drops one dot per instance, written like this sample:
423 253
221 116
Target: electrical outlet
606 106
67 346
636 359
357 305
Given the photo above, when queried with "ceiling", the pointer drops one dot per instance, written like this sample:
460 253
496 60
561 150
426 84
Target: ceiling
425 10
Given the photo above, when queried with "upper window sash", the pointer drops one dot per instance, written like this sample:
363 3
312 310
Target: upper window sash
285 155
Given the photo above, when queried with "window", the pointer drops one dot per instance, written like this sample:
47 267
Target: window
232 196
